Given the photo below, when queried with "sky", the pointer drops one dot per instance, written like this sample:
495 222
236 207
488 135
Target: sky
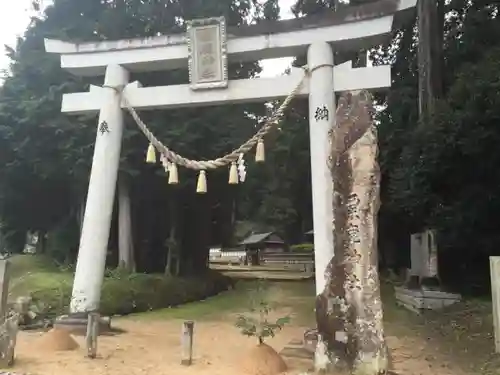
15 18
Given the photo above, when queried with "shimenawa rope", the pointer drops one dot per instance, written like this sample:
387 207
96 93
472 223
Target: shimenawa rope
223 161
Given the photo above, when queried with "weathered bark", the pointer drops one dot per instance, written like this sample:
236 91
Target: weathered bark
177 265
199 254
349 311
5 272
430 82
172 241
41 242
424 57
173 252
125 240
80 215
430 54
438 45
168 265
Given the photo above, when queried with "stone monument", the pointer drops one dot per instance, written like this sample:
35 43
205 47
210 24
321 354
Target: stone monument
422 290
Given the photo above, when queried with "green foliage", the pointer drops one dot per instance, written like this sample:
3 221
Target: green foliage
23 264
62 241
142 292
301 247
256 323
122 293
46 156
441 171
458 142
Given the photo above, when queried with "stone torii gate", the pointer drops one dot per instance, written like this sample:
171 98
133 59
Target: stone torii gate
350 29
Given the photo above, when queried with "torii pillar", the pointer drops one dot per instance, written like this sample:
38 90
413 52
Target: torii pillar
91 264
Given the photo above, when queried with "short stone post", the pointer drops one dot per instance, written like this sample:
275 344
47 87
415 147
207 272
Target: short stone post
8 339
495 298
8 327
4 288
187 343
92 334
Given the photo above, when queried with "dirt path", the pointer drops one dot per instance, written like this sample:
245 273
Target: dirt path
413 356
148 347
152 345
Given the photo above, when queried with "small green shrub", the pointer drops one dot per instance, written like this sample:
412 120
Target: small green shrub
122 293
256 323
301 247
22 264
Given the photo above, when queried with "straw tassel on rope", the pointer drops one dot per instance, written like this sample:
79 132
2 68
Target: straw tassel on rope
233 174
260 153
221 161
173 174
151 154
201 186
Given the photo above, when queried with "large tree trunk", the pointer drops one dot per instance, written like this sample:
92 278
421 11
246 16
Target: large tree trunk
430 82
349 311
41 242
204 224
81 214
125 240
430 54
173 245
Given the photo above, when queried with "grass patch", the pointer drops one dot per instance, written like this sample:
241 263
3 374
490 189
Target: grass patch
21 265
295 295
122 293
212 308
462 333
299 297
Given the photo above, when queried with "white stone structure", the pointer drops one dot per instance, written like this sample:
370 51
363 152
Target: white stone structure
423 250
419 300
495 299
351 29
416 295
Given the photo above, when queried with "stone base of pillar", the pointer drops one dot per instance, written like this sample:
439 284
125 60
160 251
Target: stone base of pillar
76 324
420 300
414 282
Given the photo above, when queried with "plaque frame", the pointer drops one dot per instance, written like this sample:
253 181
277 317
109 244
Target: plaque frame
196 82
